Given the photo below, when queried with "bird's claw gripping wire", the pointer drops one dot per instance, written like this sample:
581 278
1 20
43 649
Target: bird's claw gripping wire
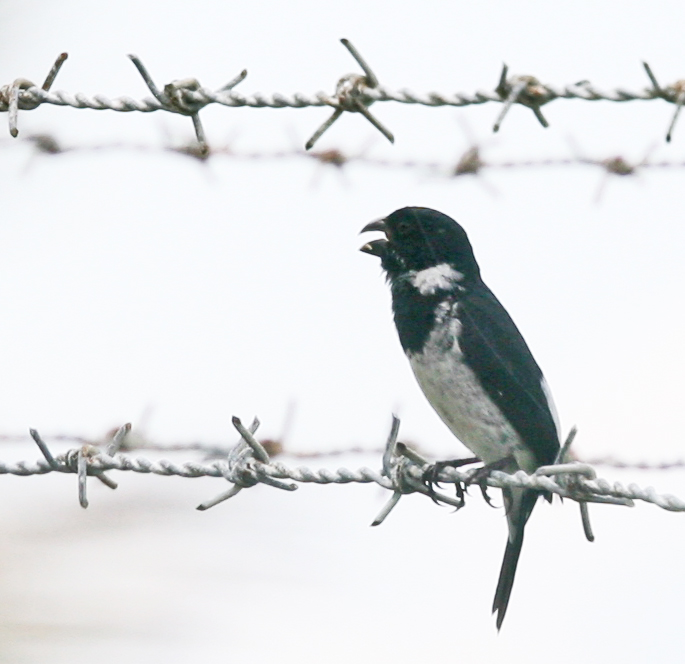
431 477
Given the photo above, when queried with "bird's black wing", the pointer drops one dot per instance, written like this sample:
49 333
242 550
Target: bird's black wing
497 353
499 356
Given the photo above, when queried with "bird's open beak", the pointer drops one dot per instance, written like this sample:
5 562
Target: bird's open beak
375 247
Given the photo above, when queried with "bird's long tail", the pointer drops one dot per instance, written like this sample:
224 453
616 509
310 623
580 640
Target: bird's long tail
519 505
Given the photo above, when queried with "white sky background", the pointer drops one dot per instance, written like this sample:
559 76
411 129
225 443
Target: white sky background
138 281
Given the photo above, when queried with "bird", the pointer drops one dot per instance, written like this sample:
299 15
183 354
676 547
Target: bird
469 359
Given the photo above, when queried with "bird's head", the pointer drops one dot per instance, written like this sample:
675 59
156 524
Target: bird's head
418 238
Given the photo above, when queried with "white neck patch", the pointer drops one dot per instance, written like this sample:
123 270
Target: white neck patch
439 277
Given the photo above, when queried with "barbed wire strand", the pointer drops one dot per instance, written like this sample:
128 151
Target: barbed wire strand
469 163
354 93
403 471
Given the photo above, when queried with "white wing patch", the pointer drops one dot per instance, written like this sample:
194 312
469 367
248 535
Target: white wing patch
552 408
432 279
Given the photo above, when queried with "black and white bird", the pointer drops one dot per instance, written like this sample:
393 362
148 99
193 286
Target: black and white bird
469 358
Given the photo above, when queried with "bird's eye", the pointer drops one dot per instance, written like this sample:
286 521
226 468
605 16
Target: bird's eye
403 227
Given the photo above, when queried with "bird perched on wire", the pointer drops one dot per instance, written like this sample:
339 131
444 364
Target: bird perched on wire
469 359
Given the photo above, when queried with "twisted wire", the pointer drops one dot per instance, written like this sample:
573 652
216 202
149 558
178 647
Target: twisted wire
34 96
354 93
470 163
585 487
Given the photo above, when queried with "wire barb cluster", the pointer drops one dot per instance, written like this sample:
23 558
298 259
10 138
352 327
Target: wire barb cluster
354 94
12 97
351 95
403 471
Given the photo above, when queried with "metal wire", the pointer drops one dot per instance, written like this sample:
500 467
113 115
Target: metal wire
354 93
31 97
404 471
470 162
248 463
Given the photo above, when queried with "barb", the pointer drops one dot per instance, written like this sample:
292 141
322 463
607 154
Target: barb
244 466
525 90
674 94
12 99
469 163
76 461
563 457
178 97
351 94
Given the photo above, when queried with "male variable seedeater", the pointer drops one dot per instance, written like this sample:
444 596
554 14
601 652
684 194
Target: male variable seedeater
469 358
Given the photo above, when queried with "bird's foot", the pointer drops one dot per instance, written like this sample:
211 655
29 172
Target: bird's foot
431 474
480 475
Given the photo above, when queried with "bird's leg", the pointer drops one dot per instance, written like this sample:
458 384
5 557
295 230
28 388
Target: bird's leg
430 475
480 475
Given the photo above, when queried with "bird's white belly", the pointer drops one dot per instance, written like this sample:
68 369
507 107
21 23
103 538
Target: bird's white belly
457 396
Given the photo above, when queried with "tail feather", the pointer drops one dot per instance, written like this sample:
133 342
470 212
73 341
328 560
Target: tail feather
506 578
519 508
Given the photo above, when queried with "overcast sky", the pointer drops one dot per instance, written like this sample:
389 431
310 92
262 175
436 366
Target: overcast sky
145 286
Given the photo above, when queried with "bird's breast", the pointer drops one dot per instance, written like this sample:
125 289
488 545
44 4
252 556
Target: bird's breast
456 394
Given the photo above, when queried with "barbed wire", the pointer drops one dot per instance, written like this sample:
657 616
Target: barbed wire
471 162
404 471
354 93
